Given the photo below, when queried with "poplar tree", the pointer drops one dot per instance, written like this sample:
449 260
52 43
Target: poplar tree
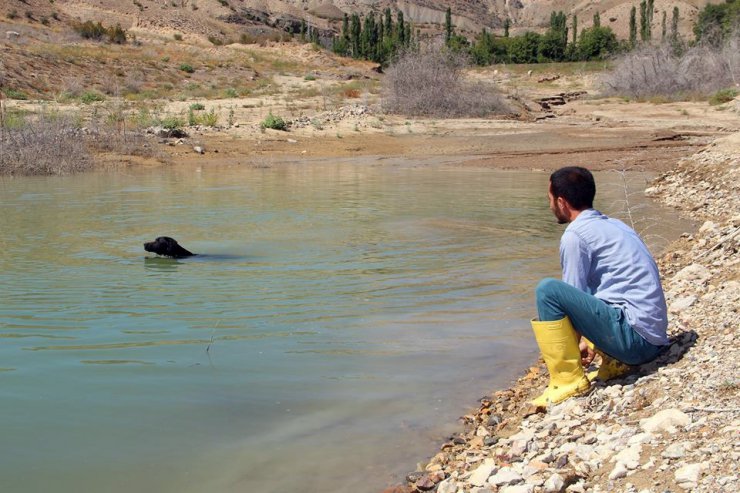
674 25
643 21
633 27
507 24
448 25
663 27
355 32
650 11
597 20
401 30
575 29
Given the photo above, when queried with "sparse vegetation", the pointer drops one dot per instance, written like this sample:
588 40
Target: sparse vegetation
89 97
723 96
430 82
274 122
97 32
187 68
46 144
15 94
673 73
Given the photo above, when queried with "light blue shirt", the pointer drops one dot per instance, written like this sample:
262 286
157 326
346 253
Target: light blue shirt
605 257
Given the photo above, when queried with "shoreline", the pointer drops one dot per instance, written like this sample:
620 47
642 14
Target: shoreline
673 424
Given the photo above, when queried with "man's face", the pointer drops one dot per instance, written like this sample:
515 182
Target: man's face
557 208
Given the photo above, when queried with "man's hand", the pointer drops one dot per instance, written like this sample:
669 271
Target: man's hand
587 354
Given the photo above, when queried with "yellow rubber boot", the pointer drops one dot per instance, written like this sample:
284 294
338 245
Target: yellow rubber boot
609 367
559 347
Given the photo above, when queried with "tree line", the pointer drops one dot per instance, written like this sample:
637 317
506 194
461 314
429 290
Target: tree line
380 38
377 39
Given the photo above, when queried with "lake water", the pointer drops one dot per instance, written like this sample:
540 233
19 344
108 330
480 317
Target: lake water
340 319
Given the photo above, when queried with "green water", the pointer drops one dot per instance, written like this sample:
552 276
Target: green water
338 320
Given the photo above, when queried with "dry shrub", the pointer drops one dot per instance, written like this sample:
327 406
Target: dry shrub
430 82
45 145
352 93
662 71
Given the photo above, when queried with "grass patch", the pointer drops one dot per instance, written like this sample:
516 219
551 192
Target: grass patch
15 94
723 96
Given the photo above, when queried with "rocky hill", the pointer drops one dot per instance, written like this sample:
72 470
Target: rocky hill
226 20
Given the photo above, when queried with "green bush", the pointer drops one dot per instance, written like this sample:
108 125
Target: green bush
178 37
88 97
186 67
723 96
197 106
209 119
310 77
15 94
172 123
231 93
274 122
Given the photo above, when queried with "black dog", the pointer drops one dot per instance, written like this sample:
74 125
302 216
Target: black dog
167 247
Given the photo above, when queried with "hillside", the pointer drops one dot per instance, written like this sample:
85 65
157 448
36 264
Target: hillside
225 20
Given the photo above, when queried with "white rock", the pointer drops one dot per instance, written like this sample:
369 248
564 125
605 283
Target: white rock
482 473
640 438
520 488
554 484
619 471
199 149
674 451
693 272
505 475
681 304
665 420
687 477
447 486
630 456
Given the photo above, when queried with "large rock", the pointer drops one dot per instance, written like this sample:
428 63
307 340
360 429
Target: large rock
506 475
692 273
688 476
482 473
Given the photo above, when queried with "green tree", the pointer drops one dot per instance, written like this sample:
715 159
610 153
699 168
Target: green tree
355 31
633 27
643 22
597 20
716 22
448 25
482 50
401 30
507 25
597 43
524 49
575 29
674 25
663 27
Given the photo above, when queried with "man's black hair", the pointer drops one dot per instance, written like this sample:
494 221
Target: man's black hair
574 184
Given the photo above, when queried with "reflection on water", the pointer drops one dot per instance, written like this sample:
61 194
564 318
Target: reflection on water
337 319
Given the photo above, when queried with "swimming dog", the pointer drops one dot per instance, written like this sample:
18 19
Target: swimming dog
167 247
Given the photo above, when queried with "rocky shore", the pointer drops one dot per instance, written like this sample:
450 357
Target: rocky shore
669 426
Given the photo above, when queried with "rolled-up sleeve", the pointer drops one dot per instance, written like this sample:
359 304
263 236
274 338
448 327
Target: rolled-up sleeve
575 260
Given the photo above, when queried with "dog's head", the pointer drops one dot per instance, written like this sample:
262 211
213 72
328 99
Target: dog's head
167 247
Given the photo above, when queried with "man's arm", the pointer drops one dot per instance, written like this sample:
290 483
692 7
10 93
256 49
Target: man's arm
575 259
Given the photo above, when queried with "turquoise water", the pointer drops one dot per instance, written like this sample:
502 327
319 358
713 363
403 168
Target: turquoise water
339 319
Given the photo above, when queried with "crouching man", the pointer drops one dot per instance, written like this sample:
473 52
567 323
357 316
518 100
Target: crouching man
609 302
